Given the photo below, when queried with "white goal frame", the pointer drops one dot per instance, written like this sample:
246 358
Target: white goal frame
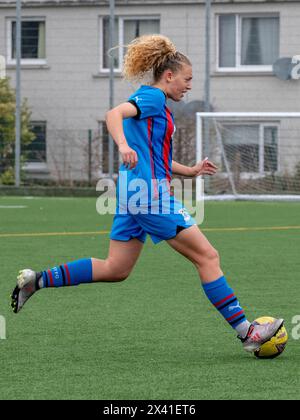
200 116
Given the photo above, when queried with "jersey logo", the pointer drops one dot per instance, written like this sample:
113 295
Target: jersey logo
136 98
184 214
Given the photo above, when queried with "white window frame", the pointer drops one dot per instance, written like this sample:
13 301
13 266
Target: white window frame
24 61
261 147
238 68
121 20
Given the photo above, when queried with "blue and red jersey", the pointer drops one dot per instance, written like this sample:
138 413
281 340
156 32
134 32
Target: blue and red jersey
145 204
150 135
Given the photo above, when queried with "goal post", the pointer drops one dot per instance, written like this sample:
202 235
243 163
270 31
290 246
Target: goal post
257 153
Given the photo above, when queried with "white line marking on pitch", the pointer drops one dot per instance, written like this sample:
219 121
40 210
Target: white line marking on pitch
13 207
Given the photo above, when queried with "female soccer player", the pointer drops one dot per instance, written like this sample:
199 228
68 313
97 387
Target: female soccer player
142 128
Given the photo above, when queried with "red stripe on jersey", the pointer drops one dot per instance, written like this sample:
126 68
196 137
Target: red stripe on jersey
68 274
223 300
150 128
167 143
50 278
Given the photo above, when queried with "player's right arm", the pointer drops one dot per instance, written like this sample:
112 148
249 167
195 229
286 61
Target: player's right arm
114 122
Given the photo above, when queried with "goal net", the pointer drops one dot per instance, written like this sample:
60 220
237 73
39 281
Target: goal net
258 155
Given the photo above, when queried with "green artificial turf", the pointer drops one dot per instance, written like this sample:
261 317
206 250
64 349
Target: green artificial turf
155 335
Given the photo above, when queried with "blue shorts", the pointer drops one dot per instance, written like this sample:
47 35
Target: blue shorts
159 226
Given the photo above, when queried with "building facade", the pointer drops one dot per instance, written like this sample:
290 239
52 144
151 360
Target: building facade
65 74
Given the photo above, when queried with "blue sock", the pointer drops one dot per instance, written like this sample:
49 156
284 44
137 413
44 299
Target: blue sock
70 274
225 301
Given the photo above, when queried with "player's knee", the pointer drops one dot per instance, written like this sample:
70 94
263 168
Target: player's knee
209 256
120 276
212 256
114 272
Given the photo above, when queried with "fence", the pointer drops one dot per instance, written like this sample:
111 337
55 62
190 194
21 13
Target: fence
69 157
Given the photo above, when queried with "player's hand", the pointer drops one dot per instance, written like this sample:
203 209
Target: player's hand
205 167
129 156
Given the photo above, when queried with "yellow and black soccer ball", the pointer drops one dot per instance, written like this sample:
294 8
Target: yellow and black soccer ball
275 346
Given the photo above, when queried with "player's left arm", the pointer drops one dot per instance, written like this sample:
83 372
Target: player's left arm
204 167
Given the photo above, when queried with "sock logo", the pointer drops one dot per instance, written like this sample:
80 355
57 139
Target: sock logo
56 273
231 308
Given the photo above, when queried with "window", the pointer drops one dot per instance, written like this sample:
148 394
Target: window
36 150
33 42
247 42
251 148
126 29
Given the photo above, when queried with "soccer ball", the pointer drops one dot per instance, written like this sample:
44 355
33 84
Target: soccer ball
275 346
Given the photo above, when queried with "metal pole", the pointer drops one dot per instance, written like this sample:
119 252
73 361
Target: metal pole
199 151
207 54
90 157
111 81
206 125
18 91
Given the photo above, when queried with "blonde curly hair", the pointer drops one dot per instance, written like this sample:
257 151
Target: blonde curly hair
151 53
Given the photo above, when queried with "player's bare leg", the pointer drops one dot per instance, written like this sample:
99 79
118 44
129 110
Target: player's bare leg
192 243
117 267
